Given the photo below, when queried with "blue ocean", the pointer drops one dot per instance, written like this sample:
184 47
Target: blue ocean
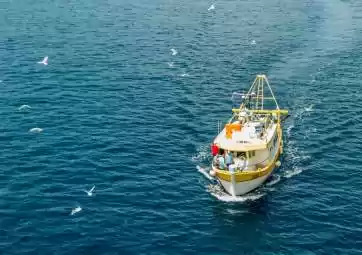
130 102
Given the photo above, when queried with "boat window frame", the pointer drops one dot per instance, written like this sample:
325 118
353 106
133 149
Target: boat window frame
238 154
251 154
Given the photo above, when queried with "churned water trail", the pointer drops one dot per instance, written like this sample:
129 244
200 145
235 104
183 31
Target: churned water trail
204 172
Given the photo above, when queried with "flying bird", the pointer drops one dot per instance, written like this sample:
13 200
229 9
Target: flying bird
44 61
309 109
174 52
36 130
76 210
90 192
212 7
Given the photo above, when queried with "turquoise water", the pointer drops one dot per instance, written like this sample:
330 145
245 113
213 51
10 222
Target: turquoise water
117 110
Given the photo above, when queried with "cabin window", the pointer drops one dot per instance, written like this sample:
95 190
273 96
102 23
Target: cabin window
241 154
267 122
273 142
251 154
271 145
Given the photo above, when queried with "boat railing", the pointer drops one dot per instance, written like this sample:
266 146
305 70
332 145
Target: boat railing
257 165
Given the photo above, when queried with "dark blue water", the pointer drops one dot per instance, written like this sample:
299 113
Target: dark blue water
116 114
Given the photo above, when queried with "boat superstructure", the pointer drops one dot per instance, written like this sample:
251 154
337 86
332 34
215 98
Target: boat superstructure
247 149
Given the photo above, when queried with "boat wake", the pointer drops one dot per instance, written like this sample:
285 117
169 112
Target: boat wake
275 179
202 154
304 111
232 211
290 173
204 172
289 129
295 158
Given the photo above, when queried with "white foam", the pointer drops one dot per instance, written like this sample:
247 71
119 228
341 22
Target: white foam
290 173
203 153
238 199
289 129
232 211
217 191
36 130
275 180
296 156
185 75
253 42
299 113
204 172
170 64
269 189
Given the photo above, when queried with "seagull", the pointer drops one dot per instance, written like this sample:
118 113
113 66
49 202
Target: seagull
212 7
24 107
309 109
90 191
75 210
174 52
36 130
44 61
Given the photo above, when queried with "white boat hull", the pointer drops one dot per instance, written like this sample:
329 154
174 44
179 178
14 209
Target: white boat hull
244 187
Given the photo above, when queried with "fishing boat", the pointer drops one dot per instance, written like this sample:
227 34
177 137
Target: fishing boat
249 146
